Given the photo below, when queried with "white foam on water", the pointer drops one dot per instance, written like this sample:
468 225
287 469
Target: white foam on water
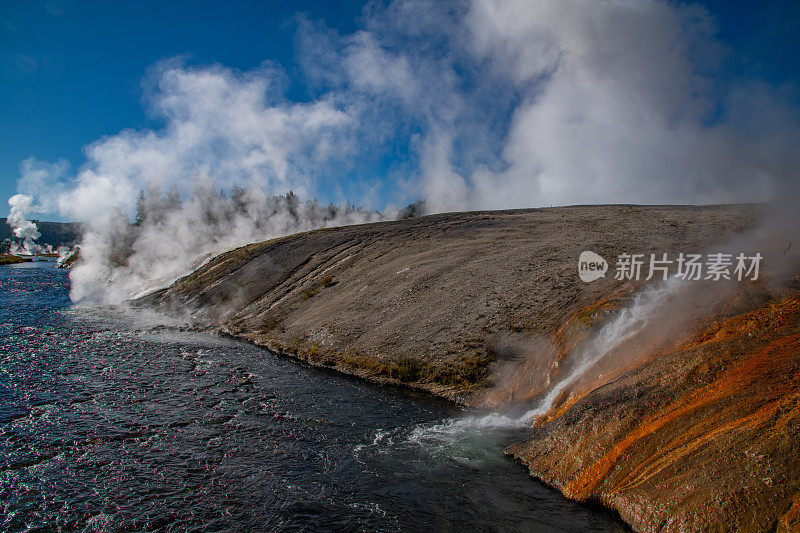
628 323
455 428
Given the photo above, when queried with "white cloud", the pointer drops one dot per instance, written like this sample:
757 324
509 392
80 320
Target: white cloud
218 123
540 102
620 114
469 105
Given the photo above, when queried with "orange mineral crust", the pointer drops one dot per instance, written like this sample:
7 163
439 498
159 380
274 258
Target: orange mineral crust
678 408
706 436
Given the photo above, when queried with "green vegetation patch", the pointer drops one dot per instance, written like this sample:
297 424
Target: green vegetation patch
323 283
310 293
470 372
13 259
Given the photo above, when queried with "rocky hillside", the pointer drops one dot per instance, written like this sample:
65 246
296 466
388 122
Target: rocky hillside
698 429
702 436
425 302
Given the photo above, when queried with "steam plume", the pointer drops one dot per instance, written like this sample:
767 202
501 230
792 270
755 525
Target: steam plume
21 206
662 317
170 238
489 104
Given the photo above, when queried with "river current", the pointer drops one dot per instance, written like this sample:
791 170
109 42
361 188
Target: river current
118 420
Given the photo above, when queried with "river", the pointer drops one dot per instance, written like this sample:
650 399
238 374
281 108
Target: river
115 420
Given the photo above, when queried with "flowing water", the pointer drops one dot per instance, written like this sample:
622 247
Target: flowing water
113 420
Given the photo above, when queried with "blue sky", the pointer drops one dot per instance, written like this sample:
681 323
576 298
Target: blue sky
71 71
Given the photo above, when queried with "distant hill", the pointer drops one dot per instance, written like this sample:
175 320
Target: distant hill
53 233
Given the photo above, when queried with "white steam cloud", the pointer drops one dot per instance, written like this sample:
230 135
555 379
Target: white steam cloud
480 104
21 206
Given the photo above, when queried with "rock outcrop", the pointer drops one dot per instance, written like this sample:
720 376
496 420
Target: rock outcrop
694 431
702 437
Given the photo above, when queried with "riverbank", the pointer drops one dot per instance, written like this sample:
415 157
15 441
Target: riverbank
457 304
10 259
431 302
115 419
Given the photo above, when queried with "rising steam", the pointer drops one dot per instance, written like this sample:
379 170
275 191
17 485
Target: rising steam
662 317
170 238
469 105
21 206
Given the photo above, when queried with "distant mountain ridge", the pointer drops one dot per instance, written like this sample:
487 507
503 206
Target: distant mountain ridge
53 233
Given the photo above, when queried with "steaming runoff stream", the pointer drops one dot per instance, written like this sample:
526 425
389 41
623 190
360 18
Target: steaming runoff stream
118 421
630 321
